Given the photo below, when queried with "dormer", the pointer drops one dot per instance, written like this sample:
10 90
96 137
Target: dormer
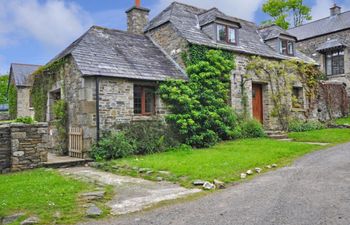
219 27
278 39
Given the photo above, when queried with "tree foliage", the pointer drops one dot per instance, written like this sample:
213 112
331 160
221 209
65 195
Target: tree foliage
285 13
12 99
199 108
3 89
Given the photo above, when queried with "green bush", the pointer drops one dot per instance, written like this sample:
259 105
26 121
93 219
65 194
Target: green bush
199 109
3 89
150 136
113 146
26 120
252 129
301 126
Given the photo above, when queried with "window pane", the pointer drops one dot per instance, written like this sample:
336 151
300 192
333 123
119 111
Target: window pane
290 48
149 100
283 47
231 35
221 33
137 100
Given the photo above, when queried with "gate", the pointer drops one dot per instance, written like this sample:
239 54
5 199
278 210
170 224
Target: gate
76 142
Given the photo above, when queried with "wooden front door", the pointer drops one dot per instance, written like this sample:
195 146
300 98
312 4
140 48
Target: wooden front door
258 103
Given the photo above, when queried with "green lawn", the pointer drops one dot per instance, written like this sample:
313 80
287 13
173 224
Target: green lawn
224 161
343 121
42 193
227 160
333 136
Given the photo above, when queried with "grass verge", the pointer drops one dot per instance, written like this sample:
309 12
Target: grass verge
343 121
44 193
226 160
332 136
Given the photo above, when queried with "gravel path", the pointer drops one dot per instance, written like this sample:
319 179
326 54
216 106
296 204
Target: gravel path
315 190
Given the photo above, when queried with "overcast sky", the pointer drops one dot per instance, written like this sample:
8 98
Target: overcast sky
34 31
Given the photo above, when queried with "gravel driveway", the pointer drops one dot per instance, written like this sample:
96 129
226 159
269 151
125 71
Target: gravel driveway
314 190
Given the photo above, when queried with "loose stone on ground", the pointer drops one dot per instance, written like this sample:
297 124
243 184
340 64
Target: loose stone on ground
31 220
93 211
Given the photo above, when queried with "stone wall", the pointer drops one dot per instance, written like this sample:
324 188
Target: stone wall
23 102
5 148
23 146
168 38
117 102
309 47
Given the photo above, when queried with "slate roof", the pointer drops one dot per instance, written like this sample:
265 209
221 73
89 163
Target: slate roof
20 73
113 53
323 26
273 31
213 14
330 44
186 19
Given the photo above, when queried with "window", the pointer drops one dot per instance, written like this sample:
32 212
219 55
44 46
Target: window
286 47
226 34
298 97
334 62
144 100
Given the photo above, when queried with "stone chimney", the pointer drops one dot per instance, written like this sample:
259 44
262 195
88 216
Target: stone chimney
335 10
137 18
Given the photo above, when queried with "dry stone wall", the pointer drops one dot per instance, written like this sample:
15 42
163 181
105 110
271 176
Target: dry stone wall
22 146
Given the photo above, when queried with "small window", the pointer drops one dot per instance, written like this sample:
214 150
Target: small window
286 47
334 62
231 35
144 100
298 98
226 34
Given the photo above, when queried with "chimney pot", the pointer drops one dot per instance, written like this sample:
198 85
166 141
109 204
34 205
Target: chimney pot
138 3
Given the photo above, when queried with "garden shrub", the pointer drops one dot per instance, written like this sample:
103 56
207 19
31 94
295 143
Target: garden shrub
301 126
150 136
113 146
252 129
25 120
199 109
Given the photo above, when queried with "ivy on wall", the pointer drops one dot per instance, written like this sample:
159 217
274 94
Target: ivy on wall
12 100
60 122
43 80
197 53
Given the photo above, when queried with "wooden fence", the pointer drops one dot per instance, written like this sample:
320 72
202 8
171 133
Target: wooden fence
76 142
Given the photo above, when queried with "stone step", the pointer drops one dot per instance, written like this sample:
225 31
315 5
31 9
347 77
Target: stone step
55 161
278 136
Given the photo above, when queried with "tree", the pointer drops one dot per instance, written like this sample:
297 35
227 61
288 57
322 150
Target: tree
198 107
3 89
285 12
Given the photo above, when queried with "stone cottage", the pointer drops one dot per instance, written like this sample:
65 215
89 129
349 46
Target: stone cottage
327 41
110 77
18 79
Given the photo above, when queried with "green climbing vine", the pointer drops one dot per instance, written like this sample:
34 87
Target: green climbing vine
197 53
60 122
280 75
310 76
12 100
43 80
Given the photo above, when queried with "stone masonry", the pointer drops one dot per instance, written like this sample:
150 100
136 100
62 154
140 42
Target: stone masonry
137 19
23 146
309 47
